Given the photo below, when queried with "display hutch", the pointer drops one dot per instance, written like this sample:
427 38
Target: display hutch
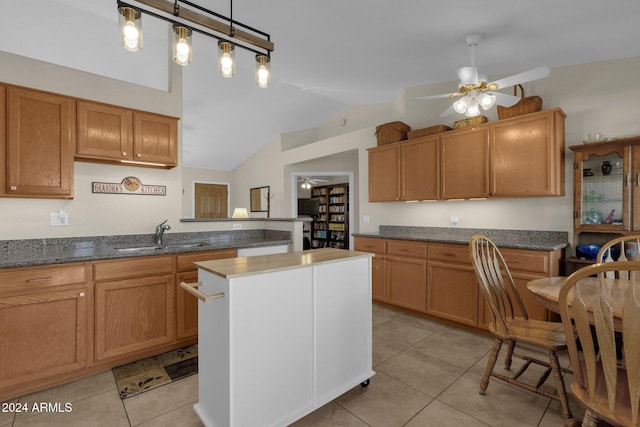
330 226
606 196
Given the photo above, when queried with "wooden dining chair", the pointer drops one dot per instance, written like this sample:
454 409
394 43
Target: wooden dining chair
608 389
502 297
604 254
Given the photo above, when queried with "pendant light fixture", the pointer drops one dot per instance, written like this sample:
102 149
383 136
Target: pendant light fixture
130 28
226 59
263 71
181 45
186 18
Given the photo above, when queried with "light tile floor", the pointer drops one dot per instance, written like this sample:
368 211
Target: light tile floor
427 374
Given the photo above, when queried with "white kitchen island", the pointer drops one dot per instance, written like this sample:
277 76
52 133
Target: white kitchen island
291 333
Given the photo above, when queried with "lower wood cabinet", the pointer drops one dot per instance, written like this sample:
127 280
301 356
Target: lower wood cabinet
378 265
452 292
44 324
439 279
406 282
133 315
187 304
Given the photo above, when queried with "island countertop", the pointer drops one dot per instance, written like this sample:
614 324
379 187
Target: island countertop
245 266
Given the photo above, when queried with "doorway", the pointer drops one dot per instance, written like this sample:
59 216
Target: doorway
335 177
211 200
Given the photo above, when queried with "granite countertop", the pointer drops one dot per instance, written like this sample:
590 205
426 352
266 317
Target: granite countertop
33 252
518 239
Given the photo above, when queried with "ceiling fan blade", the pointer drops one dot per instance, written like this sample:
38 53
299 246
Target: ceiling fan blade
467 75
526 76
506 100
449 111
444 95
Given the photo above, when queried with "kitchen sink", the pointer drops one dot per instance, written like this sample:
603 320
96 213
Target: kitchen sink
160 247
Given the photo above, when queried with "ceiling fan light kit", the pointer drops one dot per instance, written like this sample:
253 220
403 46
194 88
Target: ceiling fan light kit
477 94
185 20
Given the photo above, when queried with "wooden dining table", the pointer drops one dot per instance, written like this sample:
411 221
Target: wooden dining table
545 291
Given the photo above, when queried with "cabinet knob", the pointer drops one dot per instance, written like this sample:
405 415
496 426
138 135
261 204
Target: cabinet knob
124 153
13 188
138 155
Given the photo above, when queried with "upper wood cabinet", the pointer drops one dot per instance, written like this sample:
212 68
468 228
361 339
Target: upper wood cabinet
111 134
384 173
527 155
104 131
407 171
465 163
40 136
518 157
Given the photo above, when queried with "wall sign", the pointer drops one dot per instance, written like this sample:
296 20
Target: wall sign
129 185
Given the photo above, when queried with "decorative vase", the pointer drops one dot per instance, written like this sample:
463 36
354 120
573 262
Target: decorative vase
606 167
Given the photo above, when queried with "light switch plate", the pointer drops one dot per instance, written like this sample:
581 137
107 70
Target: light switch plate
455 221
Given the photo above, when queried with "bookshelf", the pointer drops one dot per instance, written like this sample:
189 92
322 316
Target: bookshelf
330 227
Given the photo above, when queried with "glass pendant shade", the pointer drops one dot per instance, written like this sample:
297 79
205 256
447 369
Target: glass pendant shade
263 71
487 100
460 106
130 21
226 59
182 48
473 109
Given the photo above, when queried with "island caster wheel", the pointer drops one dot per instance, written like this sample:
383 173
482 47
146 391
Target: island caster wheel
365 383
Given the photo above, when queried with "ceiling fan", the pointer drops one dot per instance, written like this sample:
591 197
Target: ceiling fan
476 93
307 182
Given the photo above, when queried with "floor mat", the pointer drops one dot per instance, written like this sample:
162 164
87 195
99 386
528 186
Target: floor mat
137 377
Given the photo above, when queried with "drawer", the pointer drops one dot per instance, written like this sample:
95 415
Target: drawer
366 244
185 262
41 277
135 267
404 248
533 261
451 253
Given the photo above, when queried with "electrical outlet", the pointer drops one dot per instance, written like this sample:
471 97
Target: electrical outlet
366 219
455 221
59 218
237 226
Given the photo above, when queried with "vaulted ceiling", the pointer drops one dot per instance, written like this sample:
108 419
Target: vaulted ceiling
330 55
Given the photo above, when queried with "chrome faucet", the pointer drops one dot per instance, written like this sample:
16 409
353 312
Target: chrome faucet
160 229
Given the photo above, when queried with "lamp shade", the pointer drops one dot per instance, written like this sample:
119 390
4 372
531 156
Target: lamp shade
130 28
240 213
182 50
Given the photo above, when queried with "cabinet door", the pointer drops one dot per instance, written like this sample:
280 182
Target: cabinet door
104 131
384 173
379 278
527 156
421 169
465 163
187 304
597 195
134 315
186 308
155 138
42 335
635 188
534 310
41 129
407 282
452 292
